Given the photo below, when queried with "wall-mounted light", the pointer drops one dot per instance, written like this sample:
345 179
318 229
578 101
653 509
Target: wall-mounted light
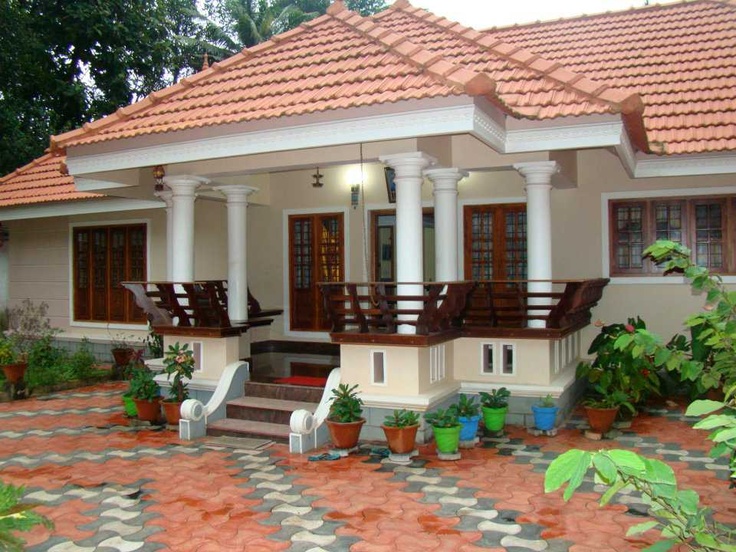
355 179
317 179
158 175
354 195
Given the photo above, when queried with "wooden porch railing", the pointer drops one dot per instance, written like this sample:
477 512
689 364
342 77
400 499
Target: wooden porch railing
374 306
476 308
201 304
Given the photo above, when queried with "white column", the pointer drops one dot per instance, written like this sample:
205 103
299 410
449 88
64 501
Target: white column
409 254
237 261
445 221
165 196
183 190
538 176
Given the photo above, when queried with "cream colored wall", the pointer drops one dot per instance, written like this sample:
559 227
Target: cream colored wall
40 263
210 240
534 361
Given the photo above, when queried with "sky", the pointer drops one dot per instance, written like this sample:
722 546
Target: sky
483 14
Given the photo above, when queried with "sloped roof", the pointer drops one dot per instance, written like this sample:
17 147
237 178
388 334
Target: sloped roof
40 181
681 59
343 60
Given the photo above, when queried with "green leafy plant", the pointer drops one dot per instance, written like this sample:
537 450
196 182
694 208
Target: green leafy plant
179 363
401 418
27 323
547 402
16 516
497 398
8 353
442 418
155 343
618 367
346 405
466 407
721 421
143 386
677 513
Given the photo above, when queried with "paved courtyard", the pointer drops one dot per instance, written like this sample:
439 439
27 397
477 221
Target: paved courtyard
111 487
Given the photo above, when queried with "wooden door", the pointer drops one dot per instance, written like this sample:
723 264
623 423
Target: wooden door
316 254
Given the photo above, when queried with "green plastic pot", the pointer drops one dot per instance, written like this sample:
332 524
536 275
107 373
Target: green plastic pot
494 418
129 405
447 438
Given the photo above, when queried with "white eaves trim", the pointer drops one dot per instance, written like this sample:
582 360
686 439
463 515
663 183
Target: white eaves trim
63 209
92 185
692 165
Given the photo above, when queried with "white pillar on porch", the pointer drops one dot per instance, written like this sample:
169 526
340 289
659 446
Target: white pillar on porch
165 196
445 221
183 190
237 265
409 253
538 177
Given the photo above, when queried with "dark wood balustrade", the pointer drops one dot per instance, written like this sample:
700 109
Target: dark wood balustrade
199 308
486 308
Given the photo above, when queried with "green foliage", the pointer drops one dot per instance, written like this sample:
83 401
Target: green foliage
497 398
345 406
721 421
619 364
466 407
143 386
401 418
442 418
45 364
677 513
81 365
179 363
547 402
16 516
27 324
155 344
8 353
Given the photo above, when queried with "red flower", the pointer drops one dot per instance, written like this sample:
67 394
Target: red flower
629 328
645 373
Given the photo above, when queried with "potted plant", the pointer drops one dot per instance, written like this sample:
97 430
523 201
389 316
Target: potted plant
122 353
344 420
12 361
495 405
400 429
602 407
146 394
545 413
446 429
468 414
179 364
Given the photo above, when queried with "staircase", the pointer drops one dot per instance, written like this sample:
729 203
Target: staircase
265 410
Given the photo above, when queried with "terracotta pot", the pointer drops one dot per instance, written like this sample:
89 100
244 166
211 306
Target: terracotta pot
401 440
601 419
15 372
148 411
172 411
122 356
345 436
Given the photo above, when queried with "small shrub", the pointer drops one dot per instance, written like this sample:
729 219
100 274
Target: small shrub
45 364
81 365
16 516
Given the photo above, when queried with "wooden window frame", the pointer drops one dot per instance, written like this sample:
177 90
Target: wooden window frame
116 306
649 230
499 238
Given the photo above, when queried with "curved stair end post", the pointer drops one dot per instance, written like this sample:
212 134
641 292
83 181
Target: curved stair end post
308 431
195 414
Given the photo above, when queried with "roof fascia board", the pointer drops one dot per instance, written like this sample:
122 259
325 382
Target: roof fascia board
93 185
428 122
61 209
566 136
692 165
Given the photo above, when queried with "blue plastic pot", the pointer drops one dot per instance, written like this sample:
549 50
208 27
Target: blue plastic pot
469 427
544 416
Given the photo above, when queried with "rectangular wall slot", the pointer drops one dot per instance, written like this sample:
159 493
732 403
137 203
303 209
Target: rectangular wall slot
436 363
197 349
487 359
378 367
509 359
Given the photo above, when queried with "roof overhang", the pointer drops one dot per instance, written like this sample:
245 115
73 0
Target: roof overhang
70 208
416 119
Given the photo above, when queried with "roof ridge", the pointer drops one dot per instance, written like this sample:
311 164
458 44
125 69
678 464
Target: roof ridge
157 96
28 166
451 74
630 106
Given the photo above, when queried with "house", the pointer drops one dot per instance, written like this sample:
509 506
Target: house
552 152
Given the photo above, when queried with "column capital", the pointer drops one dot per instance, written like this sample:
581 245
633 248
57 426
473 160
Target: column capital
445 179
165 196
538 172
185 184
414 161
237 193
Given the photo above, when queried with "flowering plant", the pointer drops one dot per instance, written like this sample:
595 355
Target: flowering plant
179 363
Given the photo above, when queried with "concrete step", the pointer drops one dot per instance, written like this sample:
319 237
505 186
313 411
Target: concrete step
284 392
263 409
249 428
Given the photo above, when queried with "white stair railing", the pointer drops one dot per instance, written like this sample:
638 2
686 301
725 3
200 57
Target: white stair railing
308 430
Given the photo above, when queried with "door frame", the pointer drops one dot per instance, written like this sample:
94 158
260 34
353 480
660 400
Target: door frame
461 223
372 226
286 213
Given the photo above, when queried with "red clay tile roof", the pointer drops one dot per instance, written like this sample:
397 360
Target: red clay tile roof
40 181
343 60
681 59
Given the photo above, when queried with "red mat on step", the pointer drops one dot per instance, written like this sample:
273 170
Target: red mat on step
308 381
